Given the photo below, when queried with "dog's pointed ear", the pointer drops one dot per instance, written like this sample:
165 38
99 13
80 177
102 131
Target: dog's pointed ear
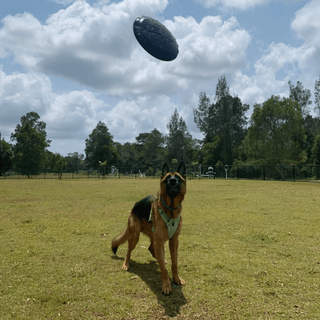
165 169
182 169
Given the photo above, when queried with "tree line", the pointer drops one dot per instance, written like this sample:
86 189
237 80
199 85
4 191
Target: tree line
280 131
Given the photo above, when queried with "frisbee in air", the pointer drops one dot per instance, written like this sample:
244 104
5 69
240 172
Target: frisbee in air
155 38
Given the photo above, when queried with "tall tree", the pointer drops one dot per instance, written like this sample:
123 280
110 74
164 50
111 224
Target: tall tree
276 131
210 151
31 143
6 156
178 140
302 96
151 148
317 96
222 89
58 163
74 162
316 156
204 117
100 147
311 126
225 118
128 155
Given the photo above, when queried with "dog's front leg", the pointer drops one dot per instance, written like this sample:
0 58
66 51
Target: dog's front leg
173 245
159 251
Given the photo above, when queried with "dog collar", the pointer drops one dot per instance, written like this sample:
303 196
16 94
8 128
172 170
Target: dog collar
170 208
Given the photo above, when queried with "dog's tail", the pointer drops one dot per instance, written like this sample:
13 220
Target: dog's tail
120 239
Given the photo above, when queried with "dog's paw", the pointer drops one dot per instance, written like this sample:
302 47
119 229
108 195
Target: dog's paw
179 281
125 266
166 288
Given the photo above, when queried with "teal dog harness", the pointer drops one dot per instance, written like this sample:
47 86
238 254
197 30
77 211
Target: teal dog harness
172 224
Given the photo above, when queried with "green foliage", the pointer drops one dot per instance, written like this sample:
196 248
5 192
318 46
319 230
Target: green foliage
149 171
128 154
60 164
316 156
311 126
31 142
209 151
203 116
225 118
317 96
150 149
179 140
100 147
280 130
6 156
302 96
74 162
276 131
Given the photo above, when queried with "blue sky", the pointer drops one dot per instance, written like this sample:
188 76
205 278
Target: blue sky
77 62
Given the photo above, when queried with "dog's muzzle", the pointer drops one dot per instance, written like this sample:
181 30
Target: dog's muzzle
173 187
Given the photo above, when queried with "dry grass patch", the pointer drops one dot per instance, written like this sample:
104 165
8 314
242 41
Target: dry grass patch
248 250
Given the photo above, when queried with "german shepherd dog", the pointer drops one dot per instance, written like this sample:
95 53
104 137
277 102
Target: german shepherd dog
158 217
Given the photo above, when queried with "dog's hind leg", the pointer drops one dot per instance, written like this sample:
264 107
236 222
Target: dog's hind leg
132 242
134 225
124 236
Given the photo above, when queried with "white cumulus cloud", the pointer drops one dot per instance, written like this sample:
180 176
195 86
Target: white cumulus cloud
95 47
209 48
236 4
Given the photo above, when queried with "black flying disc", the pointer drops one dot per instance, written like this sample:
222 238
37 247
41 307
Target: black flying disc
155 38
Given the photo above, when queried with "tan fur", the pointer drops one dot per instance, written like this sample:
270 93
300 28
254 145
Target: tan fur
160 235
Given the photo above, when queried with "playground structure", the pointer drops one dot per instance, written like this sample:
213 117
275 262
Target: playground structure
209 174
114 172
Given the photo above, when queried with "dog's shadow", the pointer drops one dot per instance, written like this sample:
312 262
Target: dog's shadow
151 275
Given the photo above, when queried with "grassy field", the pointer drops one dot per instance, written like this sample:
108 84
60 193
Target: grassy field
248 250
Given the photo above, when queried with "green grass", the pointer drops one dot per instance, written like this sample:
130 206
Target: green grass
248 250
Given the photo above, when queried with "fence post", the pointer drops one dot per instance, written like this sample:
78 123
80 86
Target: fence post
119 172
264 172
238 172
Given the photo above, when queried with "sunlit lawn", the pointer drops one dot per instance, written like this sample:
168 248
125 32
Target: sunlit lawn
248 250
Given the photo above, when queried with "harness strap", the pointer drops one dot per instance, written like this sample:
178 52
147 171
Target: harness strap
172 224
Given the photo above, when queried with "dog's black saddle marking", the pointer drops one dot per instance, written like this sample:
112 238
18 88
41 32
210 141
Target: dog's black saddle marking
142 208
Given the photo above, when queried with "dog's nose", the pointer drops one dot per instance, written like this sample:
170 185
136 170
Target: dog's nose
172 181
